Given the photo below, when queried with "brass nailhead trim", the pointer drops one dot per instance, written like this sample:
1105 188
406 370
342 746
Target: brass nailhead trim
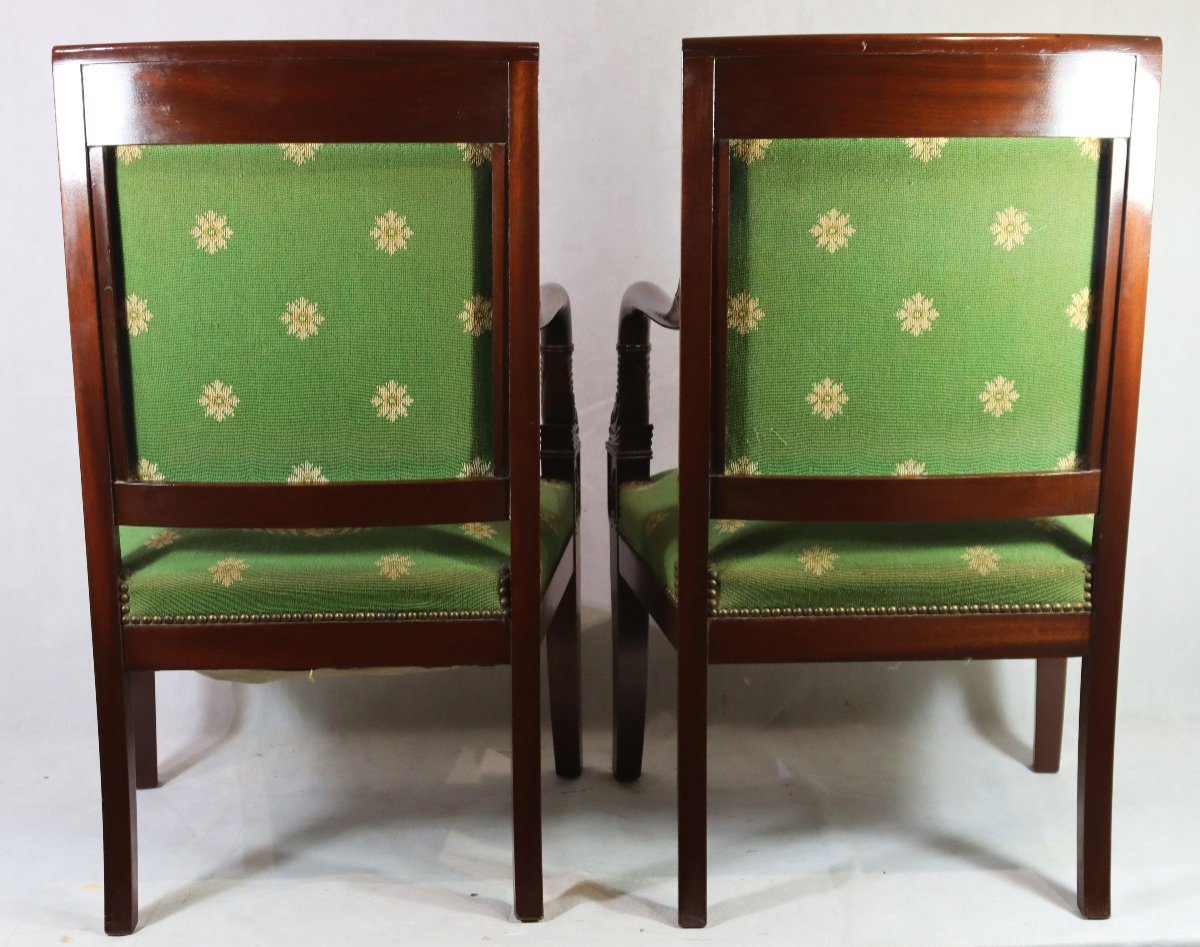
842 610
244 619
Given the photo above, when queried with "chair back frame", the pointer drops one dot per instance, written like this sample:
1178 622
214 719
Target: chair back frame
899 86
245 92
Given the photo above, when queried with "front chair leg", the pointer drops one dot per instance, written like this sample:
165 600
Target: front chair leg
145 729
1048 725
629 630
563 675
527 773
118 799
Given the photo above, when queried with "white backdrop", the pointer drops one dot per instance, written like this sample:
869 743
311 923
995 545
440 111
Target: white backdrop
610 125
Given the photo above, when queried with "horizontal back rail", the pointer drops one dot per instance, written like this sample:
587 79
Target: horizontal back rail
896 499
225 101
311 506
949 94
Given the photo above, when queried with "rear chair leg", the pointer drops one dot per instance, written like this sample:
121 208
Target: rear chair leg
145 729
563 675
629 629
118 798
1048 726
1097 729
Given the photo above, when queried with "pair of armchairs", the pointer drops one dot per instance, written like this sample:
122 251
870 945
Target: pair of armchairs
307 381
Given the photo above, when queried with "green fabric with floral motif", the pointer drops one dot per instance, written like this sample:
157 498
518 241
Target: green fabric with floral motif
307 312
910 305
1031 565
173 573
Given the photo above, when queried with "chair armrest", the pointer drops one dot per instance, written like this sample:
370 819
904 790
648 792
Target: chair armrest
560 424
630 432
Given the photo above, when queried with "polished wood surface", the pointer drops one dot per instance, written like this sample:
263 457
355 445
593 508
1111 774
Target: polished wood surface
924 499
186 93
900 85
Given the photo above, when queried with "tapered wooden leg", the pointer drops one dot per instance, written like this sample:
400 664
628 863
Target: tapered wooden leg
118 799
1048 725
527 773
1097 729
563 673
629 631
145 729
693 777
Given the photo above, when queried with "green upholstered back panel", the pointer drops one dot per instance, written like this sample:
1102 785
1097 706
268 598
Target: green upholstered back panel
909 306
307 312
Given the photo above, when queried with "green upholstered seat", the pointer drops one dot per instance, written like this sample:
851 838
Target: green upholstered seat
827 568
259 575
306 311
917 305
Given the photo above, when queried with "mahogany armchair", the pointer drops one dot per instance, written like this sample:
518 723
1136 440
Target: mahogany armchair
912 299
307 381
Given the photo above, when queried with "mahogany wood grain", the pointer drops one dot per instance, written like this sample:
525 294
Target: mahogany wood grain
903 86
185 93
1048 714
298 646
695 416
896 638
897 499
630 626
524 316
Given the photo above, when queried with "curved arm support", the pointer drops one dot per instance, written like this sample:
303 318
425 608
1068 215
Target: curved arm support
630 432
560 424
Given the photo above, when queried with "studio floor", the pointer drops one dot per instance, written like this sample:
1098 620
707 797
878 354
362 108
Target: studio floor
379 814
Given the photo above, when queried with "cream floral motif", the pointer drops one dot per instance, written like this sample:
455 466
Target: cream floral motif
1079 313
302 318
391 233
982 559
162 539
476 315
218 400
228 571
749 149
998 396
1010 227
916 314
475 153
1069 462
307 472
655 520
744 313
212 232
926 149
476 467
832 230
742 467
393 565
128 154
818 559
728 526
392 400
148 472
550 519
910 468
479 530
827 397
137 314
299 152
1089 148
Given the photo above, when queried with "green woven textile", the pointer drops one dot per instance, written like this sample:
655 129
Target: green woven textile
397 572
910 305
307 312
1026 565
